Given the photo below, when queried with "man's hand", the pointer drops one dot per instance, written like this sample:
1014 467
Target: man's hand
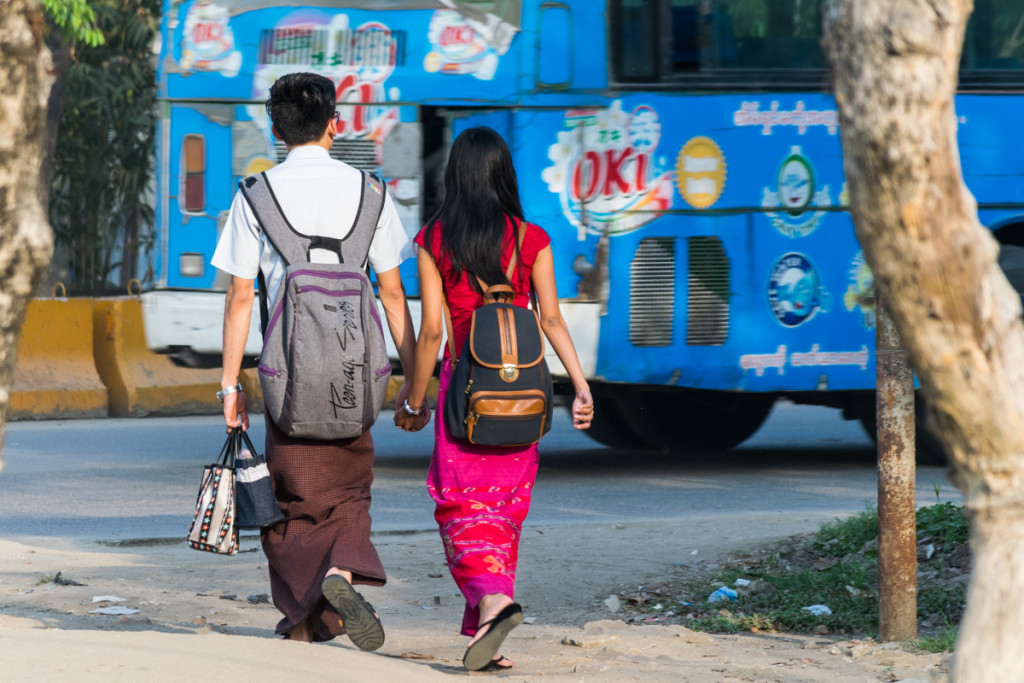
236 411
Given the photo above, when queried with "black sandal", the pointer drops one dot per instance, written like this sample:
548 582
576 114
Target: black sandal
481 653
357 616
495 664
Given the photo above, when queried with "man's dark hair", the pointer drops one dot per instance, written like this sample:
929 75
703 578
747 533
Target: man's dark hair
300 106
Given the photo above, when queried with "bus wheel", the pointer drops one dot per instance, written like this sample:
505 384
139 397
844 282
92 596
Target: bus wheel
930 450
697 422
1011 260
610 426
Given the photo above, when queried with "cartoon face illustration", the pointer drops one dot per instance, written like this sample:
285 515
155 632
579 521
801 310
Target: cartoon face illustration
795 293
796 184
860 290
796 290
796 198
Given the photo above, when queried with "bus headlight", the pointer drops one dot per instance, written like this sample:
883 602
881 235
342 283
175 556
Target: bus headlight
191 264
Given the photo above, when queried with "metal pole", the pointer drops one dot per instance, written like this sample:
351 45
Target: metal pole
897 508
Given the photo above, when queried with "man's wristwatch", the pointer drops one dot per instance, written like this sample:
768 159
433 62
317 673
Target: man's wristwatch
228 390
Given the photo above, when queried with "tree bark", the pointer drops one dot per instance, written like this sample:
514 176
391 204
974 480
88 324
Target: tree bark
60 54
26 242
895 69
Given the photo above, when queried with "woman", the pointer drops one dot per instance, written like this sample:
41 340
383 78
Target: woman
482 494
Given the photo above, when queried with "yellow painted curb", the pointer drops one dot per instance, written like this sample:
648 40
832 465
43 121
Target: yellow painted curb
55 376
140 382
396 383
250 380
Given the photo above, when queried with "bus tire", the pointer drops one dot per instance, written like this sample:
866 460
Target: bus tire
929 448
1011 260
611 428
696 421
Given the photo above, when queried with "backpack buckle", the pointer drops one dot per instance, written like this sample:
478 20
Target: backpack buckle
509 372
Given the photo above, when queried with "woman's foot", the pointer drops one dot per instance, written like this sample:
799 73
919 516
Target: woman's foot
499 663
483 649
489 607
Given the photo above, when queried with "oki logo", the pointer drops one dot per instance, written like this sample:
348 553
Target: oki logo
207 32
610 173
456 35
354 121
606 172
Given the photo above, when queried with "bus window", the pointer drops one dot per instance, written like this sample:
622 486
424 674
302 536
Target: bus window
507 10
634 25
194 154
995 36
728 44
780 34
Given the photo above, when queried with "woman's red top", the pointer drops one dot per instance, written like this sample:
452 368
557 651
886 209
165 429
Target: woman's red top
462 297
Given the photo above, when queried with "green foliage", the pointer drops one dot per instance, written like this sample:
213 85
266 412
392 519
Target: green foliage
76 19
842 537
104 162
945 523
943 641
837 567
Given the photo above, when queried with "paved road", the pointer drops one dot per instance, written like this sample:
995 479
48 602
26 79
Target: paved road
127 479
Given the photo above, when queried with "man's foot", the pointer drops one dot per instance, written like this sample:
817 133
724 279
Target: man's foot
483 648
302 633
357 616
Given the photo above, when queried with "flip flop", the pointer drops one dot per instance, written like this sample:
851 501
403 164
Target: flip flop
495 664
481 653
357 616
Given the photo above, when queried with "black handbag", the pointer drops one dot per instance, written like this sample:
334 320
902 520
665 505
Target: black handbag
255 504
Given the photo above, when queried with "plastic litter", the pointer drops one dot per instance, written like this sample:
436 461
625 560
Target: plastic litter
117 610
108 598
613 604
742 582
818 610
723 594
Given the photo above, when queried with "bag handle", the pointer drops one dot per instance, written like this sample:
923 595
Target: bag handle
229 450
485 289
243 437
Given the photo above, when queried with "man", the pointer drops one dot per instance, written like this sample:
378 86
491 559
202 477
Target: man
323 545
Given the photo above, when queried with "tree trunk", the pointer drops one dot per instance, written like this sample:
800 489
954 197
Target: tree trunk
60 54
26 242
895 68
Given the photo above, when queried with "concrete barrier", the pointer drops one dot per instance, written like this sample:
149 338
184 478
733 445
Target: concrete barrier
250 381
55 376
140 382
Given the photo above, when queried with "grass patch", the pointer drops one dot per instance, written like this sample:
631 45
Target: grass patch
836 567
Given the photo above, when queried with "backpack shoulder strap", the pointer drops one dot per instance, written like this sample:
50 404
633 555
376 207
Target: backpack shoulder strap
289 243
355 247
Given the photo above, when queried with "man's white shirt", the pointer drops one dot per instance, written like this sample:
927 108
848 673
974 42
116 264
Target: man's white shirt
319 196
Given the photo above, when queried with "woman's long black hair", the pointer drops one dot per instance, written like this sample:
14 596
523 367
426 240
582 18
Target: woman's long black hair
481 193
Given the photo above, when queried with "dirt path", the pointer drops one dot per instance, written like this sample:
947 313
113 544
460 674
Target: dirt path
566 573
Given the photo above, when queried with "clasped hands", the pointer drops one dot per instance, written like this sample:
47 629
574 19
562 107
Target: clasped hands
408 421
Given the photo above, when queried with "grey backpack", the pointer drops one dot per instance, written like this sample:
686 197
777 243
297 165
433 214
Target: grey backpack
324 369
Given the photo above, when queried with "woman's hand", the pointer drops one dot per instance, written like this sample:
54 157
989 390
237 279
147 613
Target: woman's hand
582 409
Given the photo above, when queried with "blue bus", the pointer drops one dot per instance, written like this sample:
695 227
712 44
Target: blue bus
684 156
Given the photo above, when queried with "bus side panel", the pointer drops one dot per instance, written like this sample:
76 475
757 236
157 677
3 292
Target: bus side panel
422 55
768 295
991 151
192 231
